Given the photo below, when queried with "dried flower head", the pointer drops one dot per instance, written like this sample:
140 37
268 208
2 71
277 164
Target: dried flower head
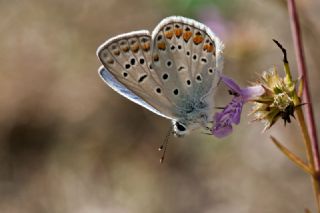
278 100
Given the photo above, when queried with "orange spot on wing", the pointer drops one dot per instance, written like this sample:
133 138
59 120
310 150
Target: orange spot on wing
209 48
135 48
116 52
146 47
178 32
110 61
125 49
156 58
168 35
197 39
162 46
187 35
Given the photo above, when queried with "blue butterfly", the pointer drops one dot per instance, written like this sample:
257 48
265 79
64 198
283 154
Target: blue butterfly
172 72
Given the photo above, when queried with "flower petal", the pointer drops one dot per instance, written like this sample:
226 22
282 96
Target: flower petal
231 84
222 131
231 114
223 120
252 92
237 109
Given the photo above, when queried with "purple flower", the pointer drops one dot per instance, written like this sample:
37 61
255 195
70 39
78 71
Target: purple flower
222 121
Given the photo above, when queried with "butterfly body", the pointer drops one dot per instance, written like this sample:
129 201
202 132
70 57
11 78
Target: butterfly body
173 72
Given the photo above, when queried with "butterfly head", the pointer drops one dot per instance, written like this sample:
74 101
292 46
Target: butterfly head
180 129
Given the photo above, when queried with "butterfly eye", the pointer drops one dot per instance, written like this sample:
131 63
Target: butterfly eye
180 127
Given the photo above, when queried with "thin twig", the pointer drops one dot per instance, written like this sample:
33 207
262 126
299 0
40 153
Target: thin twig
284 51
293 157
302 69
310 123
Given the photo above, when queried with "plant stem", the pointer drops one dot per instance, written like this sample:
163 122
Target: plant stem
307 141
311 140
304 77
293 157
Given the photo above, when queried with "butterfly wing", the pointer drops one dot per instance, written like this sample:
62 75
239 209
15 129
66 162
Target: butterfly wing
187 57
109 79
127 59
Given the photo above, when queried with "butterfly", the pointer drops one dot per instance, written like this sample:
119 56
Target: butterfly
172 72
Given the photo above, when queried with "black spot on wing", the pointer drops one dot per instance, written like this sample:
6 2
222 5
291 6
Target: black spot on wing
142 78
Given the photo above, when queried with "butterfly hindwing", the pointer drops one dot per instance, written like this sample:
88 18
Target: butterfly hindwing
127 57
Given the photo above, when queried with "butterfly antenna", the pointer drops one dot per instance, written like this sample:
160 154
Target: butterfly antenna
164 145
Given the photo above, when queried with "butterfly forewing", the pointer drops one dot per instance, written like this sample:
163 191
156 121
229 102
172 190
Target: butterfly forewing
110 80
128 58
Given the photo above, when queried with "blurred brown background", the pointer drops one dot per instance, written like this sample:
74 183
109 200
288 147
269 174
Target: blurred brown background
71 144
